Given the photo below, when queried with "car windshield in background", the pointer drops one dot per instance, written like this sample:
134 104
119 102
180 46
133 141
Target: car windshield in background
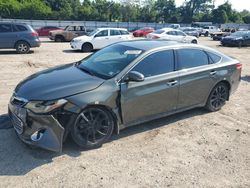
93 32
160 31
239 34
110 61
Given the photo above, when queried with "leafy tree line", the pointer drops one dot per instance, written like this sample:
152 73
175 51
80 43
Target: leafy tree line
123 10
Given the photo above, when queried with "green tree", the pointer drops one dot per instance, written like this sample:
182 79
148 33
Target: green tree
9 8
34 9
246 19
166 9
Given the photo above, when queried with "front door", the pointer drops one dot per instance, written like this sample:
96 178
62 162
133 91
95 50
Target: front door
156 95
101 39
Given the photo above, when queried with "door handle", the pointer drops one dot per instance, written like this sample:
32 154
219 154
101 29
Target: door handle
213 72
172 82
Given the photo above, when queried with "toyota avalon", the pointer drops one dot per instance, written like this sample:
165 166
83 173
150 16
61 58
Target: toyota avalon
119 86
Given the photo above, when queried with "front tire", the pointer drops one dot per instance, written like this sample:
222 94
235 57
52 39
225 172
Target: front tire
218 97
92 127
22 47
87 47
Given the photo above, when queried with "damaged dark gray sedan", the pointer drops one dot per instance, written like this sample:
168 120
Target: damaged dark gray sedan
119 86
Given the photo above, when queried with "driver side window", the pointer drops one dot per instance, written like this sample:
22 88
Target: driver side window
102 33
156 64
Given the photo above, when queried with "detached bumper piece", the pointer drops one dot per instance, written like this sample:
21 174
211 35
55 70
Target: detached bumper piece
43 131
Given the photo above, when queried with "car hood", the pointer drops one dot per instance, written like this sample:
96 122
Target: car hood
232 37
83 38
55 83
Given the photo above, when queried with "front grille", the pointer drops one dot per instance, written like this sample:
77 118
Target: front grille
17 123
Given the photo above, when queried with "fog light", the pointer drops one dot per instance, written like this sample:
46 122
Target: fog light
36 136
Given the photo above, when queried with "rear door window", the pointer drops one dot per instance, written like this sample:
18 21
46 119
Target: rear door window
114 32
156 64
17 28
5 28
123 32
189 58
213 58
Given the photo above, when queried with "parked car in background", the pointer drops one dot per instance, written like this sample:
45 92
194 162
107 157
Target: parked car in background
175 26
68 33
143 32
18 36
172 34
239 38
100 38
44 31
190 31
219 35
119 86
207 30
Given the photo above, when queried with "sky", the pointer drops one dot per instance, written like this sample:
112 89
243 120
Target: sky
236 4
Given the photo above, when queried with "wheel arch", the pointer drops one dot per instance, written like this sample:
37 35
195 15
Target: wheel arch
60 35
109 110
21 41
222 81
88 43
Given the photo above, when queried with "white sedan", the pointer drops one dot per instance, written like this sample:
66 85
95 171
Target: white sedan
173 35
100 38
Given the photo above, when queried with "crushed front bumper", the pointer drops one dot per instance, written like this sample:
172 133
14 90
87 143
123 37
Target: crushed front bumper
43 131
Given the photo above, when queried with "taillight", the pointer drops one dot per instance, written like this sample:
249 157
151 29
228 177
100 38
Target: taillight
238 66
155 37
34 34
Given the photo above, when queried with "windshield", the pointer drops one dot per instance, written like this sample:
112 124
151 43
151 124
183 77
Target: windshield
93 32
238 34
109 61
160 31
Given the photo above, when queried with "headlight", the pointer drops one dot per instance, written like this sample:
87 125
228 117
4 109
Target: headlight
43 106
76 40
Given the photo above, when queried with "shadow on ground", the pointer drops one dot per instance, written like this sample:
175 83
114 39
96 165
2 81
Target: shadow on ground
12 52
17 158
246 78
78 51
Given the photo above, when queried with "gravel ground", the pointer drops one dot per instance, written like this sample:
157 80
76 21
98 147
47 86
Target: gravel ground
190 149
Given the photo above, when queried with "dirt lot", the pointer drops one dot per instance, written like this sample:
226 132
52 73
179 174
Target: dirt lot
191 149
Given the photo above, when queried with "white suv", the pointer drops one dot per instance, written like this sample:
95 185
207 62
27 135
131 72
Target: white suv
100 38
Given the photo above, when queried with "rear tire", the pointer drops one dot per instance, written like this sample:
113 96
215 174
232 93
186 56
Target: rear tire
87 47
206 34
22 47
92 127
218 97
194 41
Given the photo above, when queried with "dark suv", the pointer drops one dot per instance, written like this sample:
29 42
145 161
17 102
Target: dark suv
18 36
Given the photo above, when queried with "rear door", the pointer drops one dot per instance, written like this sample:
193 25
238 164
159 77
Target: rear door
115 36
7 36
156 95
197 77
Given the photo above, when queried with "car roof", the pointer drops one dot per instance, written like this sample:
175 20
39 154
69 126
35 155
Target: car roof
13 23
148 44
114 28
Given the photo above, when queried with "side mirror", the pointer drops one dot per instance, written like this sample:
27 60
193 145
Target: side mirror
134 76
